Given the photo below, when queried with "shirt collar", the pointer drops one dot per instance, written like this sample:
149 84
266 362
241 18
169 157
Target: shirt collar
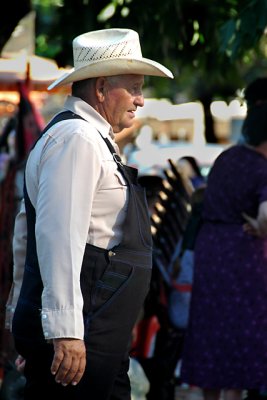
80 107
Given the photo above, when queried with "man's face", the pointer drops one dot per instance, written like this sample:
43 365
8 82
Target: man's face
122 95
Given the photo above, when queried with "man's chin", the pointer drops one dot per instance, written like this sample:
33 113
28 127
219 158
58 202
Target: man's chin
129 123
121 129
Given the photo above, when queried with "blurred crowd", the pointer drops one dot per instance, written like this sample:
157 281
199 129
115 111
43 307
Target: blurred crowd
19 133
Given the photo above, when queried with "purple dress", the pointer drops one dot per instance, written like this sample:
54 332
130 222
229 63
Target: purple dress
226 341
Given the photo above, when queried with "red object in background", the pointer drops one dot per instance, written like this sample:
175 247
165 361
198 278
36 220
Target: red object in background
27 124
144 334
30 123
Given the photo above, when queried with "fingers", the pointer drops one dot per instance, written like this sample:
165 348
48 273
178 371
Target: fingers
20 363
251 226
250 230
69 361
80 371
252 221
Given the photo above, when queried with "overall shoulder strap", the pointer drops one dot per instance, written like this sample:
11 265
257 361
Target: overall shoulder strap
70 115
57 118
62 116
128 172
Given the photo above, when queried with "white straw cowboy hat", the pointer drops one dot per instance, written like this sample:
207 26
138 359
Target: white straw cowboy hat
109 52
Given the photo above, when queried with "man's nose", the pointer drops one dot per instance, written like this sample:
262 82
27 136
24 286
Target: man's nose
139 100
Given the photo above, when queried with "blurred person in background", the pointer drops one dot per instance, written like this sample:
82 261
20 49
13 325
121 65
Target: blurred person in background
189 166
225 346
167 305
20 132
255 94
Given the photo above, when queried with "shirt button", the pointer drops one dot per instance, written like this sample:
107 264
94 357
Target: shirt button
44 316
45 334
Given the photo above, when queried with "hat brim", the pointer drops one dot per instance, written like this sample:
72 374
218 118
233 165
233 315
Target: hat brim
118 66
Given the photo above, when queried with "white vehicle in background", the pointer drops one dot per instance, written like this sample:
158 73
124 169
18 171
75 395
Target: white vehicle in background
154 158
151 156
168 131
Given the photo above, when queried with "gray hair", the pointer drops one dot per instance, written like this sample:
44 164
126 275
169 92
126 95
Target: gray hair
80 88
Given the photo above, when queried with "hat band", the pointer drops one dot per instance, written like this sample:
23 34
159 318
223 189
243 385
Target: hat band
126 49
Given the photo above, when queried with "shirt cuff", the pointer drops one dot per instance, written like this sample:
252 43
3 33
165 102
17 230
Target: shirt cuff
62 324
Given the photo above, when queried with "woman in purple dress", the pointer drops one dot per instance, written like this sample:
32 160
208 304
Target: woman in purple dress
226 342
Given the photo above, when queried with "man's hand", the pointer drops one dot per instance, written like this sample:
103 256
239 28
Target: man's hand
69 361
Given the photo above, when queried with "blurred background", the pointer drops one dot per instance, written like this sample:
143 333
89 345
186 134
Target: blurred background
214 48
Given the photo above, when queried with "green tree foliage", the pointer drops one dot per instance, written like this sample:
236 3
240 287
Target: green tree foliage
214 47
244 29
202 41
205 43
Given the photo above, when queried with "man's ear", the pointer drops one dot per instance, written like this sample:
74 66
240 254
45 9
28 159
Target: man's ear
100 88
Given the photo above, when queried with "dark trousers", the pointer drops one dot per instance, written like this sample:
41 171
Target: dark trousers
105 377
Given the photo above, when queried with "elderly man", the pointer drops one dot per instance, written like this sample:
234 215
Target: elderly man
88 254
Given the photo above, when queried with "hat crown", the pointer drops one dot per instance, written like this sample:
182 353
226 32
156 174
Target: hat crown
109 52
106 44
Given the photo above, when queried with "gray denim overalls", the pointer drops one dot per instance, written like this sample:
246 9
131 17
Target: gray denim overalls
114 284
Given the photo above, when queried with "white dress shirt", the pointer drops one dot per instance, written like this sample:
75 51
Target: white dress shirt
80 197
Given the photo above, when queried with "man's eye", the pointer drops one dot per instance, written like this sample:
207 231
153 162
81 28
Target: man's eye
137 90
